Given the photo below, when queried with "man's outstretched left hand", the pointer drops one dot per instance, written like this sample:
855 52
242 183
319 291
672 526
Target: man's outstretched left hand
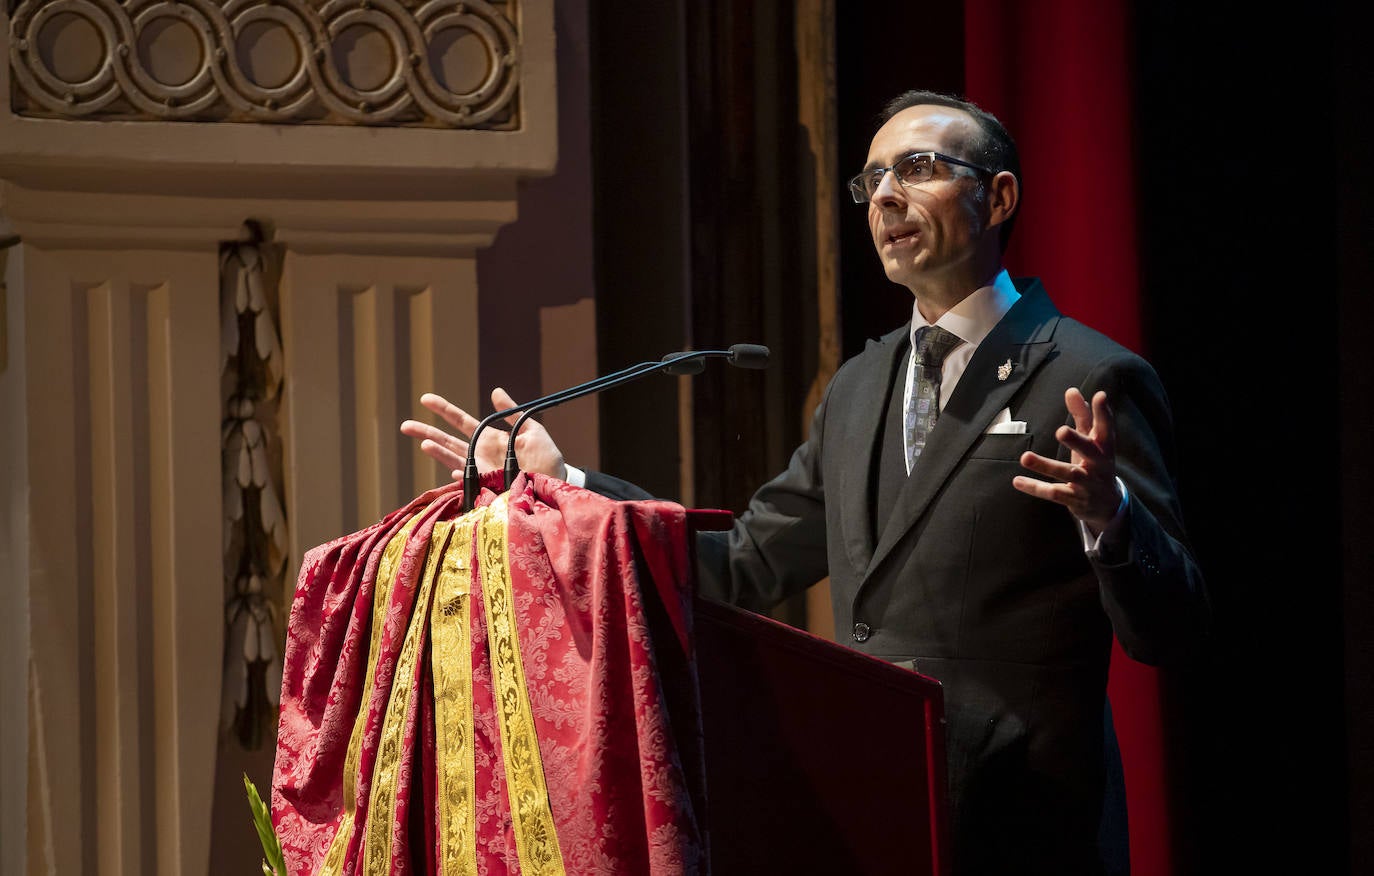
1086 483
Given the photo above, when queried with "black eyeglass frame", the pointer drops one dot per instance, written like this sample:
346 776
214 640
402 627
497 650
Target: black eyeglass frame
861 195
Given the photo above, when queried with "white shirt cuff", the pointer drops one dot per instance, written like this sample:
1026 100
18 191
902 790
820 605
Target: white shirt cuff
575 476
1109 537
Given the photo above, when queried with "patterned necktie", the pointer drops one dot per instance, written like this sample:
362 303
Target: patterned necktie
932 345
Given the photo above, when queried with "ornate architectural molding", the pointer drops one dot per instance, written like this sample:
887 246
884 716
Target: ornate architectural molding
437 64
256 539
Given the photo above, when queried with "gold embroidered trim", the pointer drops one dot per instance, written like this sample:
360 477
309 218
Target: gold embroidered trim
333 860
451 660
381 595
391 750
536 838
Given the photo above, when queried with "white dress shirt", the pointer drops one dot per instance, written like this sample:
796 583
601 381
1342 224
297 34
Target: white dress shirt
970 321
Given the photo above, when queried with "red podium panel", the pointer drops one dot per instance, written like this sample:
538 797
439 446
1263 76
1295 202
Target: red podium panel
819 759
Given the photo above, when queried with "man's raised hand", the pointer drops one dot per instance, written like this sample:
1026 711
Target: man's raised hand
1087 482
535 449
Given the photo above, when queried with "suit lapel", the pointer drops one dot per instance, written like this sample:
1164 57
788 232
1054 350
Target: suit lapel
1023 337
867 407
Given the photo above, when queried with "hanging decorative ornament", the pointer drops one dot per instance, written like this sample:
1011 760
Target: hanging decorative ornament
256 540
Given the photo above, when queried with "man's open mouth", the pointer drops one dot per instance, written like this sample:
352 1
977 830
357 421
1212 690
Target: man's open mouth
895 236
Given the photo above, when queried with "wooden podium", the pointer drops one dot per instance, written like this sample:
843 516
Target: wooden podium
819 759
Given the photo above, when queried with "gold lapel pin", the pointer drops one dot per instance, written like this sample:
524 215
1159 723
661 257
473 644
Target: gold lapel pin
1004 370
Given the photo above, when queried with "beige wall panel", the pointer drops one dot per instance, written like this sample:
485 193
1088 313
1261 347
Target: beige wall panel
373 362
39 836
125 585
14 639
568 357
187 573
419 315
452 334
364 337
59 560
119 526
312 416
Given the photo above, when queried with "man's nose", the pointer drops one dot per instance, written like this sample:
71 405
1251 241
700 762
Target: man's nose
889 195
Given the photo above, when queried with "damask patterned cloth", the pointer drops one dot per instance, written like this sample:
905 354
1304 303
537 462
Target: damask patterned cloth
511 690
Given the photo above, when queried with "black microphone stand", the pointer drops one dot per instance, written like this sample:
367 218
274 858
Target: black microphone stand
685 363
470 477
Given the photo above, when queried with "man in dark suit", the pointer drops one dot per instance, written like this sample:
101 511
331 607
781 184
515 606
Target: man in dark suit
912 494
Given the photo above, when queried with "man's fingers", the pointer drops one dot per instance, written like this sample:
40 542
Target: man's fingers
1086 484
447 450
442 455
1086 450
426 432
1062 494
1053 468
501 400
1104 424
455 416
1078 408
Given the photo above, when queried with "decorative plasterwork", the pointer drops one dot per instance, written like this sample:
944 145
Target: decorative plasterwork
438 64
256 541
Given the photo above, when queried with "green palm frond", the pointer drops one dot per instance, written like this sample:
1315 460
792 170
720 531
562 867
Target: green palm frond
273 864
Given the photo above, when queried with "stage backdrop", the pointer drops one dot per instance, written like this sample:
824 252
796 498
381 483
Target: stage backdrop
1058 74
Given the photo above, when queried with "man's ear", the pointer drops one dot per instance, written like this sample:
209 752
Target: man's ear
1004 196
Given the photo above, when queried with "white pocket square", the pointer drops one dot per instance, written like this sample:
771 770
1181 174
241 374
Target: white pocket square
1003 424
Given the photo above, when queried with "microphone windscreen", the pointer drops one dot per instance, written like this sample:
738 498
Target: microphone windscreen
749 356
688 365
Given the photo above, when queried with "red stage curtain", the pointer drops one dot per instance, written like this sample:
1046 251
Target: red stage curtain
1059 75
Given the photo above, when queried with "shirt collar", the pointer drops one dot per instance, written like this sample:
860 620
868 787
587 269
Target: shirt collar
971 319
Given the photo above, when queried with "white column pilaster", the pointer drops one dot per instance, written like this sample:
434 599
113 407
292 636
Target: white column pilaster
364 336
121 429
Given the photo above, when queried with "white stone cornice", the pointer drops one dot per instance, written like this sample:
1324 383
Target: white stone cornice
58 219
341 182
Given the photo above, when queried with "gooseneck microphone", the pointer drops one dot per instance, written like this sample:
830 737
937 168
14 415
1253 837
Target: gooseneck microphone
684 363
689 362
470 477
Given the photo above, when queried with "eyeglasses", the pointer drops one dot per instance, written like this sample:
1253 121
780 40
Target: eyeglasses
915 168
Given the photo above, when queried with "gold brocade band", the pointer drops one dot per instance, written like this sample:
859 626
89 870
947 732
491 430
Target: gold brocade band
536 838
386 576
451 661
391 747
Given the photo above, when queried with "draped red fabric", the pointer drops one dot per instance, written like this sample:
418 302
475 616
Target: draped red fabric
1058 73
590 600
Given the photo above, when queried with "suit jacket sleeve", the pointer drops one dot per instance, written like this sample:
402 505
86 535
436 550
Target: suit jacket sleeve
1154 595
776 548
615 488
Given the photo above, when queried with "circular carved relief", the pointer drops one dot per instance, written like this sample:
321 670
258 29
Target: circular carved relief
69 47
169 50
267 53
335 62
460 59
363 57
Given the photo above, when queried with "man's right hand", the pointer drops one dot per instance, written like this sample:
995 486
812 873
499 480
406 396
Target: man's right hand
535 449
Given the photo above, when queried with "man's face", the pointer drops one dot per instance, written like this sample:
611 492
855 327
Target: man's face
931 230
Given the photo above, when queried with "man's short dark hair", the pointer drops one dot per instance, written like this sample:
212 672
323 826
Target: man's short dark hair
995 149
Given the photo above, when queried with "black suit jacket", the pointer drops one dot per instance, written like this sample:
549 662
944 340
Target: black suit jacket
984 588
